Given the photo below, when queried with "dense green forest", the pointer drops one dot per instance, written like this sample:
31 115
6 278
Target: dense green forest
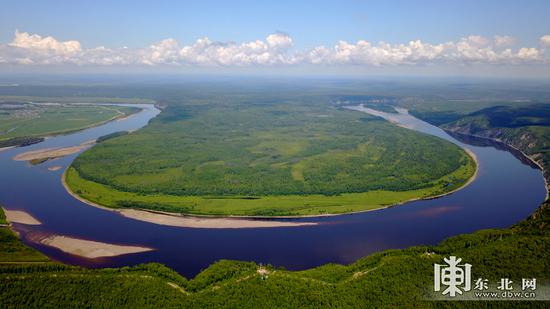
276 149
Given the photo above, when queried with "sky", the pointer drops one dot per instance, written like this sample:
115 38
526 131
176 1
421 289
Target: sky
278 37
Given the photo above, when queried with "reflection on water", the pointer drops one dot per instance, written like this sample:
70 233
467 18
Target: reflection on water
505 192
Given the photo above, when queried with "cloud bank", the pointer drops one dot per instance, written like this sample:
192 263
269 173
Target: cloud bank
275 49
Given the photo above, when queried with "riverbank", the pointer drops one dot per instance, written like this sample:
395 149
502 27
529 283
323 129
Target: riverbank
179 220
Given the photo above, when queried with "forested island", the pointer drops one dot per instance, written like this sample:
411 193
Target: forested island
274 156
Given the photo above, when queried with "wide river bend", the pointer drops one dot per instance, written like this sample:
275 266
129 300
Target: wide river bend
507 189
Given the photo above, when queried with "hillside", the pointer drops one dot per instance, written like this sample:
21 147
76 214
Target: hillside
524 128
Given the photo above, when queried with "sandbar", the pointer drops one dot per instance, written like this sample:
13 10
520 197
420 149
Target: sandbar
19 216
54 168
50 153
88 248
205 222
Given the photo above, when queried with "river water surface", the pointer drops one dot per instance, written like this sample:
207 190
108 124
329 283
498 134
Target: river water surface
507 189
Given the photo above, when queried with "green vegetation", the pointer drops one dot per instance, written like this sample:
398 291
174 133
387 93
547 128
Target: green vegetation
109 136
524 127
12 251
277 158
23 123
283 205
519 252
20 141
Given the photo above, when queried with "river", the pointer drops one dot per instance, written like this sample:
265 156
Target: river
507 189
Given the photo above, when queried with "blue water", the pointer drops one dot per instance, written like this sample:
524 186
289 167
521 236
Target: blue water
505 191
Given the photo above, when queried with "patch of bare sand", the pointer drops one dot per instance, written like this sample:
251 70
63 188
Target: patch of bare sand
19 216
55 168
88 248
5 148
50 153
207 223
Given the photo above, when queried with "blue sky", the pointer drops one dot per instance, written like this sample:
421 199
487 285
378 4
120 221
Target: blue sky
309 24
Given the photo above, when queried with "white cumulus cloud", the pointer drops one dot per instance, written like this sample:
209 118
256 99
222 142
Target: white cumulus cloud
504 40
279 40
545 40
37 43
275 49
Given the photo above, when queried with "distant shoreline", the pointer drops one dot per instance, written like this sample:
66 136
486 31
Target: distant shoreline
118 117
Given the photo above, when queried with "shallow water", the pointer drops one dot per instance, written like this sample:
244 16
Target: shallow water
506 191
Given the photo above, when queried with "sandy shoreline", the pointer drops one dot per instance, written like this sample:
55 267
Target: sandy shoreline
179 220
210 223
88 248
50 153
19 216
